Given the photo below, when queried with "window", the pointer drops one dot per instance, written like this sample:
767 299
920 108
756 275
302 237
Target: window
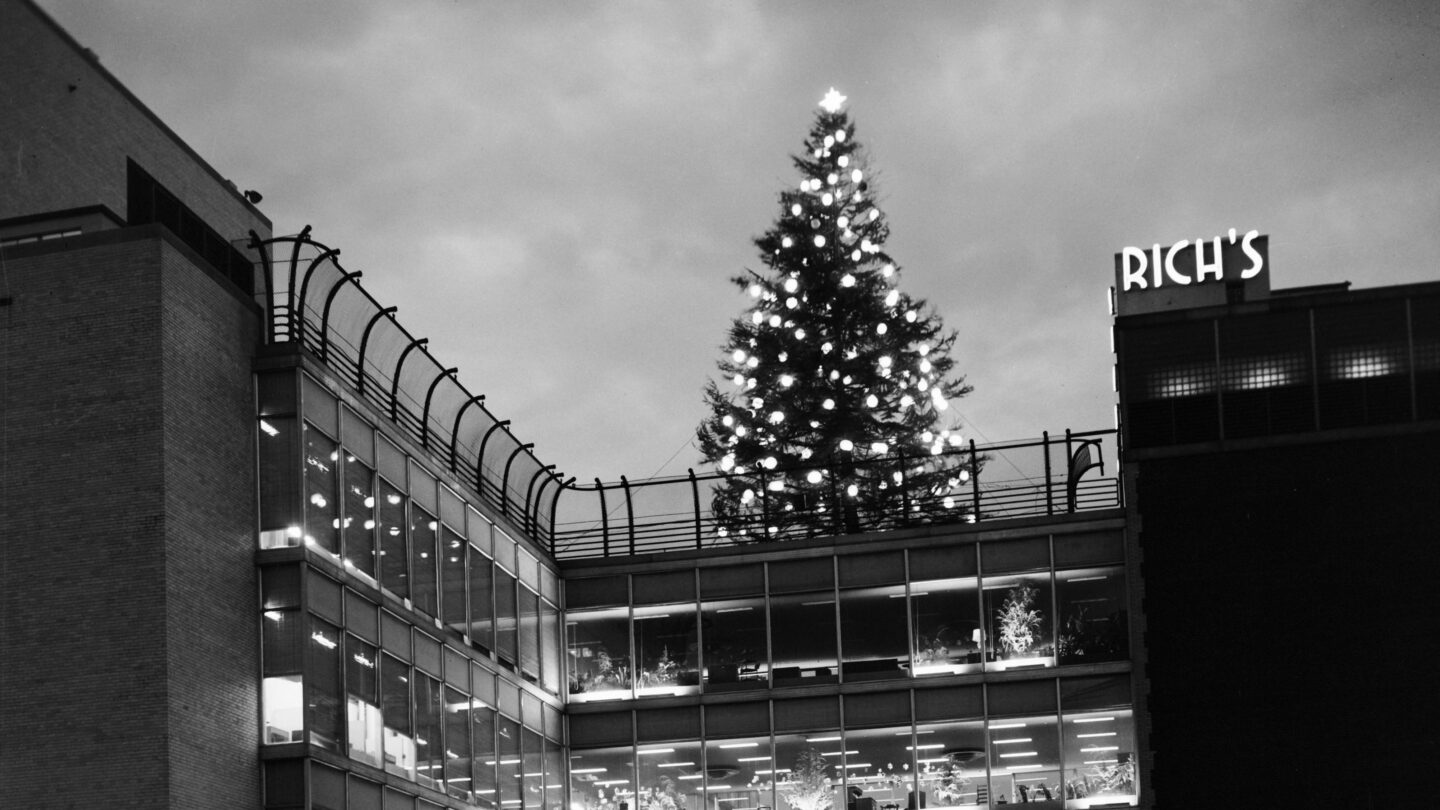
506 618
424 582
1024 759
950 763
665 650
395 708
359 520
482 601
362 702
873 633
598 643
281 688
735 648
482 736
602 778
429 732
666 773
322 508
509 763
1091 610
453 580
528 631
1100 762
1021 621
946 615
878 767
551 656
740 770
322 685
802 638
394 560
458 782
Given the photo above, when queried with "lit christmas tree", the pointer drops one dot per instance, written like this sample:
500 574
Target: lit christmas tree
831 415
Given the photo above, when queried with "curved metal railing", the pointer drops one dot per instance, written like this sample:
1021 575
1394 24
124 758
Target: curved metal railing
311 300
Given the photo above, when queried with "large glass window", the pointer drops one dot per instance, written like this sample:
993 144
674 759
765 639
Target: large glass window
506 617
554 773
279 480
482 736
322 508
602 779
322 685
950 761
736 655
452 580
508 734
551 656
395 707
666 645
532 757
1091 605
1022 623
394 559
808 771
359 520
739 773
598 643
362 702
802 638
873 632
424 539
282 698
669 776
878 768
946 613
482 600
1100 767
429 734
529 634
1024 760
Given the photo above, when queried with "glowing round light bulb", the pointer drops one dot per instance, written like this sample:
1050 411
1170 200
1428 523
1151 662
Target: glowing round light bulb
774 320
739 355
828 404
855 255
885 361
843 160
834 375
910 316
813 477
776 417
792 302
949 502
740 430
757 317
925 365
787 242
769 463
791 285
727 420
847 445
752 361
819 152
852 490
892 298
964 475
727 461
856 176
888 270
872 401
880 447
906 401
775 486
881 328
829 140
840 135
796 209
747 496
847 280
757 402
828 199
844 222
819 241
799 334
787 380
874 214
826 347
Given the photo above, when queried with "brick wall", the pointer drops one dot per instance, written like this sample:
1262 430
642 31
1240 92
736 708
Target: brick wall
128 651
69 126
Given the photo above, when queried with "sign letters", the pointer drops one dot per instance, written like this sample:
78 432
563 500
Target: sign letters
1187 262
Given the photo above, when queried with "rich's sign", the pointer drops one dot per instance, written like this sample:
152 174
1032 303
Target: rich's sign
1192 274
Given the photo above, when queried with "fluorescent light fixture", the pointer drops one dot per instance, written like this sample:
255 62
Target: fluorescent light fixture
819 602
836 753
717 787
998 726
587 770
1021 754
674 764
1010 740
691 776
924 747
1093 720
1085 579
740 745
1099 748
1023 767
735 610
657 751
610 782
1097 734
836 738
857 765
653 616
753 759
1101 761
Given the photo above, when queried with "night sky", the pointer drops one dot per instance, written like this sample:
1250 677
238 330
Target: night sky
557 193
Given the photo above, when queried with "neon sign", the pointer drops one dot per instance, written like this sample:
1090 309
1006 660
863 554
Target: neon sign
1185 262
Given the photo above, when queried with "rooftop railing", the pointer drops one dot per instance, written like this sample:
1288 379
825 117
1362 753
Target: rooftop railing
313 302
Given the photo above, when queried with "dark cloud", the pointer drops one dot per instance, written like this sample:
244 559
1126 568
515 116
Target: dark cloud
556 194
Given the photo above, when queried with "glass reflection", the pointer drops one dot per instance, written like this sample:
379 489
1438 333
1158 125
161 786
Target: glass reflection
734 639
739 774
1091 605
1099 758
948 638
950 760
665 650
598 643
1025 761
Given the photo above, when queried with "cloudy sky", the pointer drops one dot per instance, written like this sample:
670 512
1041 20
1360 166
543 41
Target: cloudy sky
557 193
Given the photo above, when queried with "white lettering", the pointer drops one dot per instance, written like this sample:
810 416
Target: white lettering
1257 262
1217 269
1175 275
1132 274
1156 265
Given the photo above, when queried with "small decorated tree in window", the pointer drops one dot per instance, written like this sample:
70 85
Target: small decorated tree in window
808 786
1019 619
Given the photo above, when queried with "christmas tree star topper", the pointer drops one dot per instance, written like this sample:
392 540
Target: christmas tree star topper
832 101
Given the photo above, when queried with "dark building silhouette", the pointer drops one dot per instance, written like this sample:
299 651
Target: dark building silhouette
1279 454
